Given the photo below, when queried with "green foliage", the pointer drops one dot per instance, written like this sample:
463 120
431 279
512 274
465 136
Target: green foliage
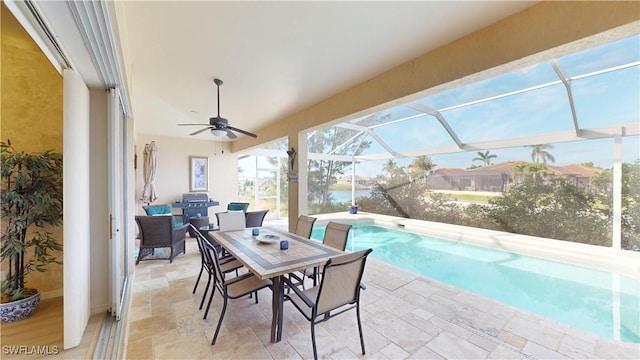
323 173
554 209
485 157
539 152
536 205
631 205
31 199
602 186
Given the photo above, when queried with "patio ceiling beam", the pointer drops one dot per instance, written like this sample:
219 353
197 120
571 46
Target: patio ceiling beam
607 132
398 120
339 147
540 86
435 113
373 135
352 126
565 81
383 144
604 71
264 152
330 157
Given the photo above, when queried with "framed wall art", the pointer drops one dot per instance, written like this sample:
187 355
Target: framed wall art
198 173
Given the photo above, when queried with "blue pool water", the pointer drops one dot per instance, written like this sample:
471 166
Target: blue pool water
596 301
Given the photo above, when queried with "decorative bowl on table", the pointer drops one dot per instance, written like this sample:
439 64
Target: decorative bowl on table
267 238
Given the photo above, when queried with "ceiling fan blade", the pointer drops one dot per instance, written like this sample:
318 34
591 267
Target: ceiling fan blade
218 124
231 135
242 131
201 130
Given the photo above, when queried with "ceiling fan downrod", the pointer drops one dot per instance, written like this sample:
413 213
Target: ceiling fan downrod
218 83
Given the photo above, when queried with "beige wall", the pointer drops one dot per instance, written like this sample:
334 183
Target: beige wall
172 177
31 115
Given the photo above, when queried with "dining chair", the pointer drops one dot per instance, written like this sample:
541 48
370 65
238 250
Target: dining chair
304 226
336 236
227 264
231 220
235 288
255 218
339 290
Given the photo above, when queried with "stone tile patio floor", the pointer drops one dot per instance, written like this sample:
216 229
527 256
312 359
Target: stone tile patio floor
404 316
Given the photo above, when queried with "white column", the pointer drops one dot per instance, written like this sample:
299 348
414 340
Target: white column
303 186
353 182
617 193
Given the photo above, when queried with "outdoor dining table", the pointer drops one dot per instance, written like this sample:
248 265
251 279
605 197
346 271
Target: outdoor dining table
263 257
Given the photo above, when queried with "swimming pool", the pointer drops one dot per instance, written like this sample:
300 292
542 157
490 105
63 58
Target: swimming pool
597 301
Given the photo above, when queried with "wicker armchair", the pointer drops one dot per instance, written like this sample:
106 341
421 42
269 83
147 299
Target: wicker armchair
159 232
164 209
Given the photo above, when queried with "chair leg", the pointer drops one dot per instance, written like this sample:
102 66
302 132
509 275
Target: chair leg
139 256
197 280
313 340
206 290
224 308
256 297
213 291
360 327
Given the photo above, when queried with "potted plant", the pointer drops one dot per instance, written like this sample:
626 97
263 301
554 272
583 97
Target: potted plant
31 201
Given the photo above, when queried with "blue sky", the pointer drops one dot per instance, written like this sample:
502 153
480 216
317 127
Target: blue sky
600 100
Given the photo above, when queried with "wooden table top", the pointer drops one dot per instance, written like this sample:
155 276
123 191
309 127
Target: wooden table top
267 260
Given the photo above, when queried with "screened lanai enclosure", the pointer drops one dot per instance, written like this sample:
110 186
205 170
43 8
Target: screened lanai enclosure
551 149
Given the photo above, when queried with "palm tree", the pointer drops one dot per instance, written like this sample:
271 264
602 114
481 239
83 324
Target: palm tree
390 167
485 157
519 171
537 171
420 166
540 152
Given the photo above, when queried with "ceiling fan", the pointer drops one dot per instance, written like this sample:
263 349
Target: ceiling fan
219 126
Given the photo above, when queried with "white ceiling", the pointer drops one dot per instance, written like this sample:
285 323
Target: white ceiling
275 58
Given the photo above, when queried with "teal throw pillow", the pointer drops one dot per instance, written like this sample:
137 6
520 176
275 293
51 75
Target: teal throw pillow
238 207
158 210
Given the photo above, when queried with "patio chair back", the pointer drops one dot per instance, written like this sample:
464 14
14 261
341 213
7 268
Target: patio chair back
340 283
255 218
304 226
336 235
338 292
235 288
231 220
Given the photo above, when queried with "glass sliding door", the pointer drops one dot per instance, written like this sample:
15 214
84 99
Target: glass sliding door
118 249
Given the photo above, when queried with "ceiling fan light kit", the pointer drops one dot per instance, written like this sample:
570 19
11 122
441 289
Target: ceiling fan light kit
218 132
218 125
